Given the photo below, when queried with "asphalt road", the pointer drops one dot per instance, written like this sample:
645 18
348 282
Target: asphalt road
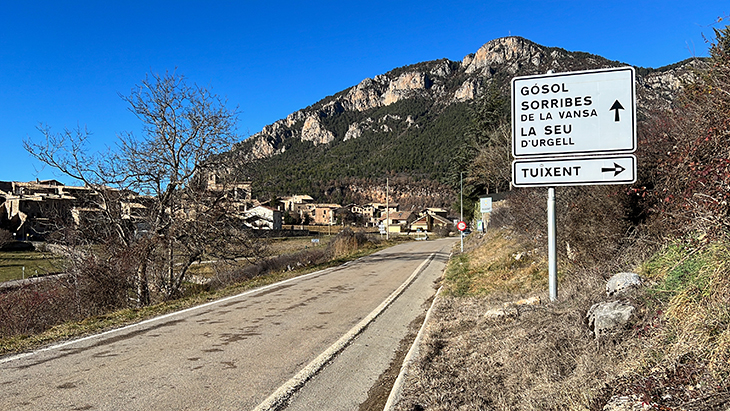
315 342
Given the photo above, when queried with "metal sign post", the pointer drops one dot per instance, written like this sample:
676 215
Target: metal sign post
552 248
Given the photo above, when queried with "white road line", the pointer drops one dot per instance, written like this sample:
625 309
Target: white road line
284 393
395 392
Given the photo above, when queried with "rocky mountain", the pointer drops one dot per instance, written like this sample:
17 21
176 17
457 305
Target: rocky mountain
412 120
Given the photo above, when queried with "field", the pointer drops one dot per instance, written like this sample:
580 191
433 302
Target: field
14 265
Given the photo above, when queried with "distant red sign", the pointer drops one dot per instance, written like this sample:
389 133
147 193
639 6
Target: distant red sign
461 226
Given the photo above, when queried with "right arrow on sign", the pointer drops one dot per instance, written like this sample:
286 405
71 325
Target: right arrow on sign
616 106
617 169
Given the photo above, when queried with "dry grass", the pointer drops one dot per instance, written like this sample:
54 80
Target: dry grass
686 328
539 358
495 263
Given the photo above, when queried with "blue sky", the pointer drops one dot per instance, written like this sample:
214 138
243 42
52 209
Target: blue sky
65 63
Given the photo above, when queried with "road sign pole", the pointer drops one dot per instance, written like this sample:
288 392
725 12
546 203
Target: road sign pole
552 249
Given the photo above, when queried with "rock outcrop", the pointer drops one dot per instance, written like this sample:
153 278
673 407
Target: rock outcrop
313 131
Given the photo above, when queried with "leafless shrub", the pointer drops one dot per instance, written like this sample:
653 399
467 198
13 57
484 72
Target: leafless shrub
501 217
5 237
36 307
103 285
686 157
287 262
89 286
346 242
592 222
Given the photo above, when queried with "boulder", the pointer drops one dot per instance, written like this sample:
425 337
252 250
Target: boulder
622 282
513 308
607 316
627 403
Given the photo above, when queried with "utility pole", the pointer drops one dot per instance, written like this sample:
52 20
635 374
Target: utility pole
387 210
461 233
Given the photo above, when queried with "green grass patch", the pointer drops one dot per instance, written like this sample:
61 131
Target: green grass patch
459 276
684 269
689 293
34 262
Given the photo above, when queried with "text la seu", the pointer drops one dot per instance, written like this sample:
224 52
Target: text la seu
558 128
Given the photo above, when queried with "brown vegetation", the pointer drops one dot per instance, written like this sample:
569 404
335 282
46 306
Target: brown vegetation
5 237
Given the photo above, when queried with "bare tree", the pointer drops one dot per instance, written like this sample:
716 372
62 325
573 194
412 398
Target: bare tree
151 199
490 171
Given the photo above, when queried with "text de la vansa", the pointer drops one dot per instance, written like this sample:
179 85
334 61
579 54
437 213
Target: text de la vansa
558 171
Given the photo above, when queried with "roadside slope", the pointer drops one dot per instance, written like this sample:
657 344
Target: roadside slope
672 355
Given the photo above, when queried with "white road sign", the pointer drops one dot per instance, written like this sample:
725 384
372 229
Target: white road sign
574 171
485 205
573 113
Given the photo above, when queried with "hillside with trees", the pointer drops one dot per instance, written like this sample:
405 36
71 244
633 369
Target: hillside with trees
426 122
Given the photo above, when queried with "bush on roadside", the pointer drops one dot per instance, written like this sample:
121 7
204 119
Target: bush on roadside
35 308
593 223
346 242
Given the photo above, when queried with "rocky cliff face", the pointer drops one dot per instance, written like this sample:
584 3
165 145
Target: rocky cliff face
446 82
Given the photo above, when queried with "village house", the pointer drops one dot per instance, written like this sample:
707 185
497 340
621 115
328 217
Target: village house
290 203
324 214
32 210
430 220
372 212
234 190
304 211
237 193
346 215
422 223
263 218
396 221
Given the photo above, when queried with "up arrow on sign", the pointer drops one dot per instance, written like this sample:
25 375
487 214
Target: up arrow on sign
616 106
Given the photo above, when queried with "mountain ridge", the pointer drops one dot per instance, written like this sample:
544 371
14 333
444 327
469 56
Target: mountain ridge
412 119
